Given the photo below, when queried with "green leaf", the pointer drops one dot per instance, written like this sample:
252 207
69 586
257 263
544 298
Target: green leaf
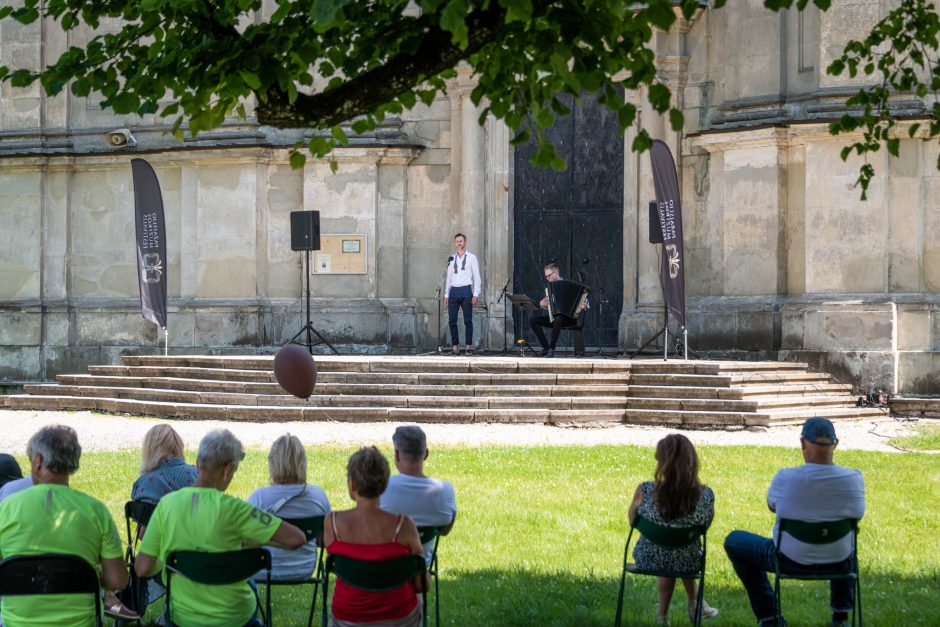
454 20
339 135
676 120
251 79
297 160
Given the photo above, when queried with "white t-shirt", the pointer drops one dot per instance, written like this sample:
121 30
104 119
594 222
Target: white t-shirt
287 564
429 502
12 487
816 493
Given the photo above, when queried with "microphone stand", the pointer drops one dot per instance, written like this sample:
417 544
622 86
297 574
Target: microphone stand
439 297
504 292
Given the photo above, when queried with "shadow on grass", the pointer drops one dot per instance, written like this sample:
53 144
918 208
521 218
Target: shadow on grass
520 598
515 597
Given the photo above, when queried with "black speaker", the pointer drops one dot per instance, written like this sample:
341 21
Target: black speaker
305 230
656 229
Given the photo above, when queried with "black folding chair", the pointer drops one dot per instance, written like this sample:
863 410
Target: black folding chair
373 576
50 573
427 534
820 533
670 538
313 529
135 596
216 569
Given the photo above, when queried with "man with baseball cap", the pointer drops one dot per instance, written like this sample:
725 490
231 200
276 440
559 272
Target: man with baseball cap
817 491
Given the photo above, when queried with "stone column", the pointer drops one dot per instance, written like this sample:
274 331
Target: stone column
498 231
468 179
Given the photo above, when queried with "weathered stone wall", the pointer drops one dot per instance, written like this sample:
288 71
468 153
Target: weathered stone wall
783 259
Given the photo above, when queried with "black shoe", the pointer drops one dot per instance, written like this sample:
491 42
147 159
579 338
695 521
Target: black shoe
840 619
548 353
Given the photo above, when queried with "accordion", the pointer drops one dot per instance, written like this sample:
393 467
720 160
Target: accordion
565 298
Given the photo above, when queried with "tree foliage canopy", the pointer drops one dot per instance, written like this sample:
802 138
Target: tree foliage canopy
335 65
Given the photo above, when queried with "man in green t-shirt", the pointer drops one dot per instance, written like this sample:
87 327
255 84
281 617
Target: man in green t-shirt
204 518
51 517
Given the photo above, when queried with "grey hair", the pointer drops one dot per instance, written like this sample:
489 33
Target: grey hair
410 442
58 445
218 448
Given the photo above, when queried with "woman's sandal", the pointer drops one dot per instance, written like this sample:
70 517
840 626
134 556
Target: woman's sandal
117 609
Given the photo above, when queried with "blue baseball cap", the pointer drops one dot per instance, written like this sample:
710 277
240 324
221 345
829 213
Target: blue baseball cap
819 430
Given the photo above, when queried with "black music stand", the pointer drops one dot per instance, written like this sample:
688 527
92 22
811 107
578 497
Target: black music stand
524 304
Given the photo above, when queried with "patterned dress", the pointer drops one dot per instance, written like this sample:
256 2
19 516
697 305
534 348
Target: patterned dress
649 556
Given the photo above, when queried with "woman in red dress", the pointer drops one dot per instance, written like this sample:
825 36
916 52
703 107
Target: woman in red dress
368 533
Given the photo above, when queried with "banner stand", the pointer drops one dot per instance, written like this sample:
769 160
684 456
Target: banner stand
166 341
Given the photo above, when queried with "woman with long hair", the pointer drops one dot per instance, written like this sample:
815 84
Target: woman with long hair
676 499
162 467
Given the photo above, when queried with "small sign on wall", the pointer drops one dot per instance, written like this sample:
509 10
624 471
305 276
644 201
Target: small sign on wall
341 254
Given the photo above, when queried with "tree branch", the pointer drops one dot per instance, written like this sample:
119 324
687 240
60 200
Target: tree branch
366 92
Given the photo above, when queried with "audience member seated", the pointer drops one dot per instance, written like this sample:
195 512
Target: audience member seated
368 533
290 496
9 469
12 485
817 491
51 517
162 468
203 518
676 499
429 502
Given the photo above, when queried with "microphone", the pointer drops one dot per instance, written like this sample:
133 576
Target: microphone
449 259
585 261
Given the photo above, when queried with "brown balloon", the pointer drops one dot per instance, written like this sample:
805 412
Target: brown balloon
295 370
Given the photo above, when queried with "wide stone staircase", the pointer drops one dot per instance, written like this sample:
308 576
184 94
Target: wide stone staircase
691 394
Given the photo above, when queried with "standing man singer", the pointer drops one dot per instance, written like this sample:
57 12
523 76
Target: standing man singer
462 292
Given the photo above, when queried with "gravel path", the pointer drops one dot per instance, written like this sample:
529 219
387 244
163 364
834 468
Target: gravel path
105 432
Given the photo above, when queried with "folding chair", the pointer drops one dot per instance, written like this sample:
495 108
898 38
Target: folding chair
215 569
139 512
313 529
50 573
670 538
575 330
374 576
820 533
427 534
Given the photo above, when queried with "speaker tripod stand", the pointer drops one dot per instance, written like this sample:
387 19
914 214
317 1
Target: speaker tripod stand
308 328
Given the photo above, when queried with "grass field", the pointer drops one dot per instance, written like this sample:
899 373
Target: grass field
539 537
925 438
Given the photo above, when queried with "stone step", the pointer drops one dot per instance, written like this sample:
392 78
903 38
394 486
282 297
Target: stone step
902 406
752 392
410 378
391 363
730 420
324 400
241 387
728 380
274 413
738 405
648 366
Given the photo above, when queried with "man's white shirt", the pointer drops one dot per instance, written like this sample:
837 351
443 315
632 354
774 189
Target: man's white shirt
816 493
429 502
466 273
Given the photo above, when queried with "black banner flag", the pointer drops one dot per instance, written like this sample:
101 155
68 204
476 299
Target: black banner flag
672 272
151 243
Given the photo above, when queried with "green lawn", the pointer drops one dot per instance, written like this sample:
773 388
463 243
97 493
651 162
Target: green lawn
926 437
539 538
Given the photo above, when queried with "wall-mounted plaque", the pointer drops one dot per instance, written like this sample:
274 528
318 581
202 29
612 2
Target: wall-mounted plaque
341 254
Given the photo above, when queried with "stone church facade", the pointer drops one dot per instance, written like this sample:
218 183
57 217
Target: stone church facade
783 259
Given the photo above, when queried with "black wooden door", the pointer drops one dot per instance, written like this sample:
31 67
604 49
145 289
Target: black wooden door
574 217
